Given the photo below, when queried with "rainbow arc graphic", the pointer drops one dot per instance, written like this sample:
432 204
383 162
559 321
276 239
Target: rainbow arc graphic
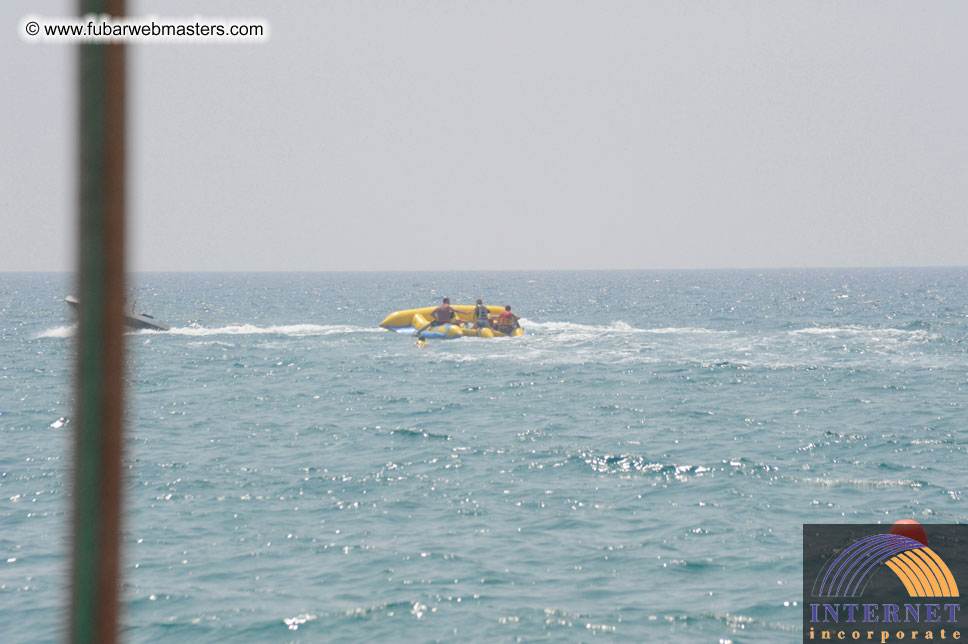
919 568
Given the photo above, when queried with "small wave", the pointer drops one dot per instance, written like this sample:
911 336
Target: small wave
284 329
624 464
564 327
683 330
737 623
916 333
862 483
369 612
58 332
294 622
916 325
410 432
609 464
628 463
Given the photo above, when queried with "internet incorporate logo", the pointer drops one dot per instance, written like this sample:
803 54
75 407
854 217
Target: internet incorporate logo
909 591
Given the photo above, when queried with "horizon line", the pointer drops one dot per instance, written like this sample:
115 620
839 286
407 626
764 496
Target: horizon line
519 270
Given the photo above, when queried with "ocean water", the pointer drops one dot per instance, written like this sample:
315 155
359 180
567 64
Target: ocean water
637 468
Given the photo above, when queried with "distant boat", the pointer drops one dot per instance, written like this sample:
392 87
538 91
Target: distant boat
133 320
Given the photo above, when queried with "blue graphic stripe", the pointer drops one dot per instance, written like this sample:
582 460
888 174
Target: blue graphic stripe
844 561
874 558
846 576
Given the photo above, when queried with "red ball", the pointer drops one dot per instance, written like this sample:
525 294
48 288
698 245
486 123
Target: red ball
911 529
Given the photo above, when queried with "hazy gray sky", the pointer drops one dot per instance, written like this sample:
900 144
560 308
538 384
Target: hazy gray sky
514 135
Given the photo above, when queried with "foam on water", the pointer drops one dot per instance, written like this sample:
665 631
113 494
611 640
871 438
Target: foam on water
66 331
296 330
618 327
231 329
875 334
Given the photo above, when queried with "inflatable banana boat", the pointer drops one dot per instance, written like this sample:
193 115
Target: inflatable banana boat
412 320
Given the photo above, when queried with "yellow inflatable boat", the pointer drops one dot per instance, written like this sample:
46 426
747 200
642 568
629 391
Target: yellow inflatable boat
412 320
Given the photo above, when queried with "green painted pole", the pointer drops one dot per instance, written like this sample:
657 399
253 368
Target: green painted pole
99 395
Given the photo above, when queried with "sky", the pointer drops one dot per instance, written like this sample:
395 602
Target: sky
531 135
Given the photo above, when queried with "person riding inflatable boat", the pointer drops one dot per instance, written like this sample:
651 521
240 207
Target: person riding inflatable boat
446 321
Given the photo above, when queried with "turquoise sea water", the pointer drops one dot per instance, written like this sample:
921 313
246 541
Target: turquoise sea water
637 468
